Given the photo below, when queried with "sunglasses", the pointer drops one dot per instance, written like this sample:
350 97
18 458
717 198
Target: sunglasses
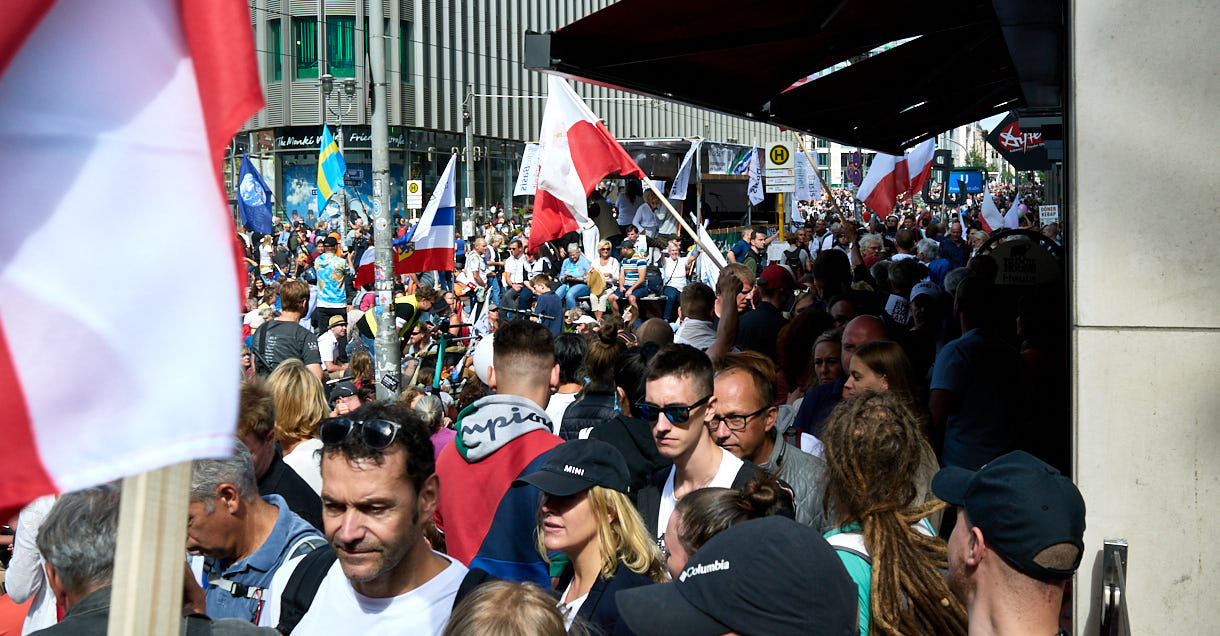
376 434
676 414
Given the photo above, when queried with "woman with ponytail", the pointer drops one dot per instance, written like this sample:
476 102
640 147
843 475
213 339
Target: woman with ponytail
706 512
875 449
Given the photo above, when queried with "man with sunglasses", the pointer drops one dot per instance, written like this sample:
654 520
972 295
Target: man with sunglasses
744 425
499 438
679 405
379 489
515 267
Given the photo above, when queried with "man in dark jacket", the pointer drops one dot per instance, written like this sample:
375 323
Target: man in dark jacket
678 404
256 429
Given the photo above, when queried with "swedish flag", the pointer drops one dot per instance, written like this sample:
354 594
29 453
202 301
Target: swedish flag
330 169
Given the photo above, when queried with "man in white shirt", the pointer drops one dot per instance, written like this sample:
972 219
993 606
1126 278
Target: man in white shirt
646 216
476 271
515 267
696 330
379 489
328 346
679 405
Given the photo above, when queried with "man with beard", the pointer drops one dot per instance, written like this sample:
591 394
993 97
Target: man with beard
379 489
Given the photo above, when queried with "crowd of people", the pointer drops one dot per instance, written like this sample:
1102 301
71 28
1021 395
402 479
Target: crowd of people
854 431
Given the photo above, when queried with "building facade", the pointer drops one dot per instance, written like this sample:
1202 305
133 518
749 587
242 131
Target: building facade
443 58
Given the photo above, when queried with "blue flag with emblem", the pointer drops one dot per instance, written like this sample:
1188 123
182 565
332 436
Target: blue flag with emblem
330 169
254 199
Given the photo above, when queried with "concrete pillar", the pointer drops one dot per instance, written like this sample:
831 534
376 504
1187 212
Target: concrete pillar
1143 165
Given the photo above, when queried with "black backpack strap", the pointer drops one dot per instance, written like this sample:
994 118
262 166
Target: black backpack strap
303 586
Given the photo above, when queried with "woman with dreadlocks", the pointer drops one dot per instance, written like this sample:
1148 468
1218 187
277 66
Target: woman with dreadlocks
875 451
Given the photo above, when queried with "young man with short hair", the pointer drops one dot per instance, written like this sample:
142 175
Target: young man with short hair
283 337
1019 537
548 305
256 429
679 404
500 438
328 346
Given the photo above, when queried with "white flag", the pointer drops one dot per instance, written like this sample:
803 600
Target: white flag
527 179
993 221
1012 218
755 189
709 262
678 190
808 186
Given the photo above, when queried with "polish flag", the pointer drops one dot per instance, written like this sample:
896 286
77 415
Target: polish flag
991 218
889 176
577 152
116 161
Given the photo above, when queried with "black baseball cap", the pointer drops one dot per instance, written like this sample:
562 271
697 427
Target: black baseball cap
764 576
329 241
342 389
1023 506
578 465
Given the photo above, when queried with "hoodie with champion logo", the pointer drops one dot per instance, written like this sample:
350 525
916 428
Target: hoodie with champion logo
487 523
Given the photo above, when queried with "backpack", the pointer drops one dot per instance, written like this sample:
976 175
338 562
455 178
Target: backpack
303 586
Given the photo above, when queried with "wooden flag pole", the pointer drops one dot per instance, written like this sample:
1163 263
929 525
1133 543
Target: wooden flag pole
814 166
681 221
150 553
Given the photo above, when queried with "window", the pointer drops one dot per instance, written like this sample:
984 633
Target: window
823 159
274 64
305 47
406 49
369 51
341 45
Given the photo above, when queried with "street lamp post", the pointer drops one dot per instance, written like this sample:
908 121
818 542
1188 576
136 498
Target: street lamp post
349 90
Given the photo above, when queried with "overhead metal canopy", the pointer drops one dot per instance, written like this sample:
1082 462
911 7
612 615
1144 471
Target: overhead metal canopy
953 64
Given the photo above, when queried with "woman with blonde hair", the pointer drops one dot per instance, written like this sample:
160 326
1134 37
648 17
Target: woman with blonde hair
300 403
586 515
609 267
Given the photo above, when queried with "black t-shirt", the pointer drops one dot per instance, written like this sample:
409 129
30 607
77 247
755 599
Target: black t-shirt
402 310
278 340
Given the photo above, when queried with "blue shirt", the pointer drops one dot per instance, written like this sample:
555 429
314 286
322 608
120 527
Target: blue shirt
257 569
987 376
740 250
956 254
330 270
629 270
937 270
576 270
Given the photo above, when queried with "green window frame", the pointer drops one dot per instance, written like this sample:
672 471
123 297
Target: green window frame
341 45
369 52
275 66
305 47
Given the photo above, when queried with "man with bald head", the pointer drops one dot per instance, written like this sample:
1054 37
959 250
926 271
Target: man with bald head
821 399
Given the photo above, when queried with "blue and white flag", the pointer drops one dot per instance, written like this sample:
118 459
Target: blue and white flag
331 168
678 189
254 199
755 189
742 165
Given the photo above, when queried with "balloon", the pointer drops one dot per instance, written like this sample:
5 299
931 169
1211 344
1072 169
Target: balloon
481 358
1022 209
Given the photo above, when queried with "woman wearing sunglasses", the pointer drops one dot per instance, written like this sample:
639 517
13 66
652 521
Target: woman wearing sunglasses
586 515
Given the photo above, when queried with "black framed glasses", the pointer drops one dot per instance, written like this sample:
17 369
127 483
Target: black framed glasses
736 422
677 414
376 434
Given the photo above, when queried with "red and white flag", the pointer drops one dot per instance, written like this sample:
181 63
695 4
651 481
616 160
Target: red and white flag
992 219
889 176
118 293
577 152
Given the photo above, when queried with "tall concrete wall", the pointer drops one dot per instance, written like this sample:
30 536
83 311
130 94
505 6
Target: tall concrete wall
1144 207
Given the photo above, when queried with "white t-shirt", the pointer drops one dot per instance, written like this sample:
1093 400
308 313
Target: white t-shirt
673 272
610 270
303 460
646 220
729 465
476 263
515 266
569 610
626 208
556 407
339 609
327 344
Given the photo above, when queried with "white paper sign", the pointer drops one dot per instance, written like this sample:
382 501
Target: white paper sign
808 186
527 179
1048 214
